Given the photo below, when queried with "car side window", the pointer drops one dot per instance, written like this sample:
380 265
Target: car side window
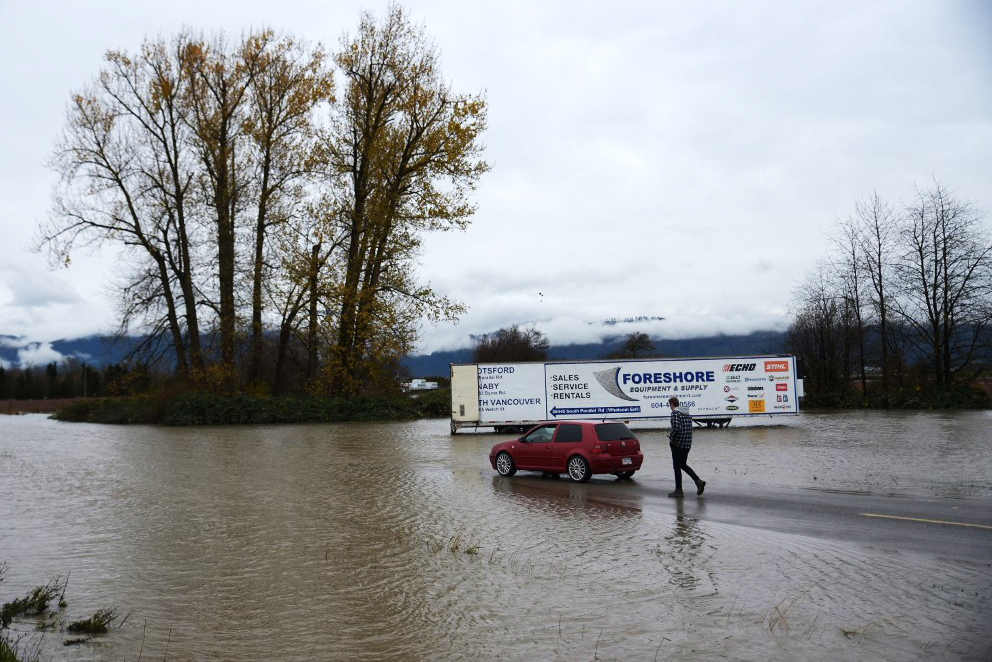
541 435
568 433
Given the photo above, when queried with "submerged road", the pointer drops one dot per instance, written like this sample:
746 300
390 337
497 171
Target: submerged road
948 527
958 528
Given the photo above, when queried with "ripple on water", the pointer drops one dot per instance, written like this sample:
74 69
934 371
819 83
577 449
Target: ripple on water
397 541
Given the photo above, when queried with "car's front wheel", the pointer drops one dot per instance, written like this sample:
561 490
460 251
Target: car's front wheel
578 469
505 465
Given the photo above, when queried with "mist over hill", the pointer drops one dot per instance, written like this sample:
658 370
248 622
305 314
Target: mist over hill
97 351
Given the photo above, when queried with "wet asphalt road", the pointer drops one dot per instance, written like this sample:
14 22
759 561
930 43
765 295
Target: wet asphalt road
947 527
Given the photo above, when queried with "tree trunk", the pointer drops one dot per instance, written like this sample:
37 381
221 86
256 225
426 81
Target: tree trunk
312 288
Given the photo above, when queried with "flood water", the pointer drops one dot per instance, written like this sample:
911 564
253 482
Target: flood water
399 542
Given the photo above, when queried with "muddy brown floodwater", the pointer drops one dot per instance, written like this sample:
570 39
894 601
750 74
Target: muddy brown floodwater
399 542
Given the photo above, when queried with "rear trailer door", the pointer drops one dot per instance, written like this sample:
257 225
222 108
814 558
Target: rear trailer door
464 395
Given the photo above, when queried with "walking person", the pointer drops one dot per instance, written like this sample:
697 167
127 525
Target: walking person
680 440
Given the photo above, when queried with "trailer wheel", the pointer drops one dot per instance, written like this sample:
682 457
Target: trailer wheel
578 469
505 465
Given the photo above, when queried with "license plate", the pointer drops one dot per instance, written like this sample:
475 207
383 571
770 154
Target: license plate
626 460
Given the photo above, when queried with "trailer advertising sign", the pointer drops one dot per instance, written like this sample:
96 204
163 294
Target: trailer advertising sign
511 392
706 388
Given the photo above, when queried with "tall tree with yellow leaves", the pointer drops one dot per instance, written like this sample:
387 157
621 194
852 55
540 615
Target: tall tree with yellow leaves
404 156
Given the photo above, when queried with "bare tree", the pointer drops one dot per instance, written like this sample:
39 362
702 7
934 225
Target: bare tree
127 178
876 230
944 278
820 334
848 266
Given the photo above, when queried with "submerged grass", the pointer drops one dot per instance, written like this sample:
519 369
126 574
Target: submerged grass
38 602
14 651
98 623
34 603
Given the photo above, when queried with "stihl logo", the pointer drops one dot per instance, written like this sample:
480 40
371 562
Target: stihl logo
739 367
776 366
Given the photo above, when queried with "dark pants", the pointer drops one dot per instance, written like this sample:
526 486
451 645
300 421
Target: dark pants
679 457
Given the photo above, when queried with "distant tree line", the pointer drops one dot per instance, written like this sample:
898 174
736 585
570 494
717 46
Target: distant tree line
513 343
71 378
898 313
270 223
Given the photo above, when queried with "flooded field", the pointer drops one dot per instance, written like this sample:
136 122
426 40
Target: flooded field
399 542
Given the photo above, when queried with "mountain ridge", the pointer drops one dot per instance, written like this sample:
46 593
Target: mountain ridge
436 364
99 350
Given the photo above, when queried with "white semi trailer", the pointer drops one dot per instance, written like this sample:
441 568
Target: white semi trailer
508 396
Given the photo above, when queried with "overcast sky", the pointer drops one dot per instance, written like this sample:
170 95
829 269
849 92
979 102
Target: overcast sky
679 160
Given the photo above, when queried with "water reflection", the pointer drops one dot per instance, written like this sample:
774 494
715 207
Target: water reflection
599 500
681 553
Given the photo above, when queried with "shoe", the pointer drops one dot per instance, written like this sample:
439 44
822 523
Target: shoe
677 494
700 486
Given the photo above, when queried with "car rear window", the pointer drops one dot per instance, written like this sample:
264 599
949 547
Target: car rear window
568 432
612 432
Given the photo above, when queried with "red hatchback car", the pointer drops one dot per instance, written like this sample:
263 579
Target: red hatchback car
578 448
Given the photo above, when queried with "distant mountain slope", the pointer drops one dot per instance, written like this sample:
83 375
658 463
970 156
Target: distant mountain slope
759 342
99 350
8 349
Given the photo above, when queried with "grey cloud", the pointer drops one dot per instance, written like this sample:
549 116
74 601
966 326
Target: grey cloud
36 289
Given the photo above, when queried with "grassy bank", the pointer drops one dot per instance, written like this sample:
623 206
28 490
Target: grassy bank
203 408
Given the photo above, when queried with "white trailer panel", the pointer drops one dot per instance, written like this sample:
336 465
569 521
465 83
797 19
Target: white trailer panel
517 394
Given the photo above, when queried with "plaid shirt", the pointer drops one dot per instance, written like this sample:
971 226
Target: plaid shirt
681 434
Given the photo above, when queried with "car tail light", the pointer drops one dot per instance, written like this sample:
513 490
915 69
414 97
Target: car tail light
600 448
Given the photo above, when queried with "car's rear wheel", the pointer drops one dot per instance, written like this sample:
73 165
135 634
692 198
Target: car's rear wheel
505 465
623 474
578 469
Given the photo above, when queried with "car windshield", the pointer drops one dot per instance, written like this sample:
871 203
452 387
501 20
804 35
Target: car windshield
612 432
